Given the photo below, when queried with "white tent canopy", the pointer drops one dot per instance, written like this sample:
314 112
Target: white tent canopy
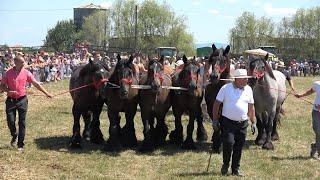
258 52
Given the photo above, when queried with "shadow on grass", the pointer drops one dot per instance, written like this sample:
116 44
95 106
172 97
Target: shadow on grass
196 174
171 149
293 158
61 144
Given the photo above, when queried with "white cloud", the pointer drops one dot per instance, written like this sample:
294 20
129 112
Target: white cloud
272 11
214 11
106 5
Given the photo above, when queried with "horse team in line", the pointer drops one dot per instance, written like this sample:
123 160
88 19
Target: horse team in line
119 96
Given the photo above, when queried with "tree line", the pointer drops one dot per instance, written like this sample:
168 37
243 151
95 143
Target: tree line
157 25
296 37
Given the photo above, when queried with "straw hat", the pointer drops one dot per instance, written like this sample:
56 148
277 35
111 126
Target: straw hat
241 73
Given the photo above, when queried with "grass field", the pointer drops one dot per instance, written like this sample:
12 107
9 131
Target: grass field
49 126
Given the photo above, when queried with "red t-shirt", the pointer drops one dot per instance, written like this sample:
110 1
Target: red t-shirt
16 81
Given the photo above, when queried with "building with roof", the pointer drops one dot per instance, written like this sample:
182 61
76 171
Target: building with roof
81 12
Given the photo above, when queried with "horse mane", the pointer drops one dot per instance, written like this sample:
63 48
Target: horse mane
268 68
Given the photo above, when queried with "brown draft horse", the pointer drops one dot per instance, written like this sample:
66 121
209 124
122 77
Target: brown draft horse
220 65
154 104
122 99
87 101
186 101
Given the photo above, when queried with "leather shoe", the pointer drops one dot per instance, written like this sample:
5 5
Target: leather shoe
224 170
237 173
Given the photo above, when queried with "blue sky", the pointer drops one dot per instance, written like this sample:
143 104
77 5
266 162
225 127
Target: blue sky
26 22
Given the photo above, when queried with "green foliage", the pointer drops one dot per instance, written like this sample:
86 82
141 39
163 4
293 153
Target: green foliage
62 36
250 32
157 26
96 28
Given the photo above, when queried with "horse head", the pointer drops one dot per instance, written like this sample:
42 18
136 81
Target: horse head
189 75
219 62
124 75
155 74
258 67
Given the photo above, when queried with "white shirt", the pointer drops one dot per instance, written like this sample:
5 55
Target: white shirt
235 101
316 88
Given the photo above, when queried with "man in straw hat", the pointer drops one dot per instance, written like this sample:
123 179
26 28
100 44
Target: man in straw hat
281 67
238 107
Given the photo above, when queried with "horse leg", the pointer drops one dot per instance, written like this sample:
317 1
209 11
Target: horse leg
161 130
87 125
176 136
76 137
269 125
275 135
113 143
148 143
128 134
96 134
189 143
261 137
201 131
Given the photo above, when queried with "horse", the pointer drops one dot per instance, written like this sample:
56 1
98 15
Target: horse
154 103
186 101
122 99
87 101
269 92
219 62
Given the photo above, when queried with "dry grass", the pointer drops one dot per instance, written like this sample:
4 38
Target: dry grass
49 126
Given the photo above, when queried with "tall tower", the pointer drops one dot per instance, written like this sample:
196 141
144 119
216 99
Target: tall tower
81 12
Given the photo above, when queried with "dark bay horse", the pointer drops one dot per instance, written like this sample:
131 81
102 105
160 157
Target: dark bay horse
219 62
154 104
122 99
186 101
87 101
269 92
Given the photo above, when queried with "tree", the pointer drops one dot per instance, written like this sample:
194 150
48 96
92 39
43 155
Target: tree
62 36
157 26
96 28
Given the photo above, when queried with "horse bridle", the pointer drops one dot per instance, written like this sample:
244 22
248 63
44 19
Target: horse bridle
255 72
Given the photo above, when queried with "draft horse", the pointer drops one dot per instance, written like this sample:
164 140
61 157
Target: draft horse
154 104
122 99
87 101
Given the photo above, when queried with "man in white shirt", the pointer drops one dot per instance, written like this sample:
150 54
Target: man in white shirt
238 107
315 147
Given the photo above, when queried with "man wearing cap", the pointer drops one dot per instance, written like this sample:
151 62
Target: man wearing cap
238 107
14 83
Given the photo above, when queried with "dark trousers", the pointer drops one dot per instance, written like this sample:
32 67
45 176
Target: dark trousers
13 106
233 137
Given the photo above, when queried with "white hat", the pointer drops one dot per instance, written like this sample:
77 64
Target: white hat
179 62
241 73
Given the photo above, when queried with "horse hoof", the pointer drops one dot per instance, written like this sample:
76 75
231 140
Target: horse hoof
259 141
160 135
268 146
202 135
275 137
145 148
175 137
189 145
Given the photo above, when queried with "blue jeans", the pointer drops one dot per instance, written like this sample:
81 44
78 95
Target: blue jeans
12 106
316 127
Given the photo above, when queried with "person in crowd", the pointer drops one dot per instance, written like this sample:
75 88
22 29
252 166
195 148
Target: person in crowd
238 107
14 84
315 147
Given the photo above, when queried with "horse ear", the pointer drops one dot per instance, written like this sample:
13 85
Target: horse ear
118 57
130 59
161 60
226 51
90 61
266 57
213 48
185 59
